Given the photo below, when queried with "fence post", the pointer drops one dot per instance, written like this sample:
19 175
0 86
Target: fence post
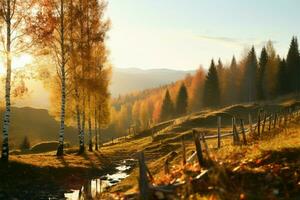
236 139
250 125
143 179
285 120
258 124
270 122
243 132
233 132
275 121
205 145
280 120
198 148
167 171
263 126
219 132
183 151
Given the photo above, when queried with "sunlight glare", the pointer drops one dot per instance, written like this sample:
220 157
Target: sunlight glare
17 62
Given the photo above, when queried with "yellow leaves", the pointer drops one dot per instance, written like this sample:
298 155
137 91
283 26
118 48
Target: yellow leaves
236 168
242 196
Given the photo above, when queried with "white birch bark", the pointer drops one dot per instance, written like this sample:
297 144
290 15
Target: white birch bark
63 82
81 142
6 120
96 131
90 127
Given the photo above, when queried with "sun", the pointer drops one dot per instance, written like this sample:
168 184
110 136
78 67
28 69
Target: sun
18 62
21 61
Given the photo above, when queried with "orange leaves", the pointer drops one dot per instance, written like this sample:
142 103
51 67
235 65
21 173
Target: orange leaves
242 196
179 174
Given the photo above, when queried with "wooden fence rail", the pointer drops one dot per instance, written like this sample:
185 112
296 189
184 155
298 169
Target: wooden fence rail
255 131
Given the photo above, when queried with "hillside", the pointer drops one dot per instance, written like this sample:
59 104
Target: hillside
260 160
274 158
37 125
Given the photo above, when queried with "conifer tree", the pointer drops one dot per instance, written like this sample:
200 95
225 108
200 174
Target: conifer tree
196 90
233 82
222 73
249 79
293 66
282 78
182 100
211 88
167 107
220 66
270 77
263 61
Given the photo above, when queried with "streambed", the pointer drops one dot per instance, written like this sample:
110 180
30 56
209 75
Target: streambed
93 188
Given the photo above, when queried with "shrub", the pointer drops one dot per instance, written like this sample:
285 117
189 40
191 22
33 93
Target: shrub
47 146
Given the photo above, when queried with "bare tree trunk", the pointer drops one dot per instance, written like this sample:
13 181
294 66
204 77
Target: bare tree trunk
81 142
60 150
90 126
6 122
96 131
78 114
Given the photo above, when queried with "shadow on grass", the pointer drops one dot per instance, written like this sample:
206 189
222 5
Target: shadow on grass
286 155
276 175
63 161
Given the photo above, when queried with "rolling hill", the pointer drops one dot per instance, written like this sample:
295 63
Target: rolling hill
37 125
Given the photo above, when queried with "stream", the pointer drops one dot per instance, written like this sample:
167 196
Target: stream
92 189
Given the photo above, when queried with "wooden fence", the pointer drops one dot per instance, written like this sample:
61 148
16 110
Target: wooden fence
265 123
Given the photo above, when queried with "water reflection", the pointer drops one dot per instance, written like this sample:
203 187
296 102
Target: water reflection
92 189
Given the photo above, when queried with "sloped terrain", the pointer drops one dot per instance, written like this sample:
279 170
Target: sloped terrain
242 167
37 125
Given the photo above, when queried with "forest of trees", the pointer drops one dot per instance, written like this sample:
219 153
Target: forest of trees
252 78
70 35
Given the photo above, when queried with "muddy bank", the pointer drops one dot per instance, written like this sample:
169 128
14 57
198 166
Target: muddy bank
21 180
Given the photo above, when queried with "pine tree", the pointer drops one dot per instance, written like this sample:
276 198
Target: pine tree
196 90
293 66
222 81
233 82
263 61
182 100
167 107
220 67
270 76
282 78
249 79
211 88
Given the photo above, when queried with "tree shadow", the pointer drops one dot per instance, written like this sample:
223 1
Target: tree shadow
86 157
275 175
62 160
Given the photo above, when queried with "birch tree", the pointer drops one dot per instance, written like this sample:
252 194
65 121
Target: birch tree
13 15
51 28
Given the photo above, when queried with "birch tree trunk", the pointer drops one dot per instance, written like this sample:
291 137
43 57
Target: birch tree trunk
78 116
81 142
96 130
90 126
6 122
60 150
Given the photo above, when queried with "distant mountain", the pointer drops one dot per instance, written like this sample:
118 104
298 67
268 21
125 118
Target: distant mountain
134 79
123 81
37 125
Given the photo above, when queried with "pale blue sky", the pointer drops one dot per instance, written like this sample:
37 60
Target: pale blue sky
182 34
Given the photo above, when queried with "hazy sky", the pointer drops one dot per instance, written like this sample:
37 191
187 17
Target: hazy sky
182 34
